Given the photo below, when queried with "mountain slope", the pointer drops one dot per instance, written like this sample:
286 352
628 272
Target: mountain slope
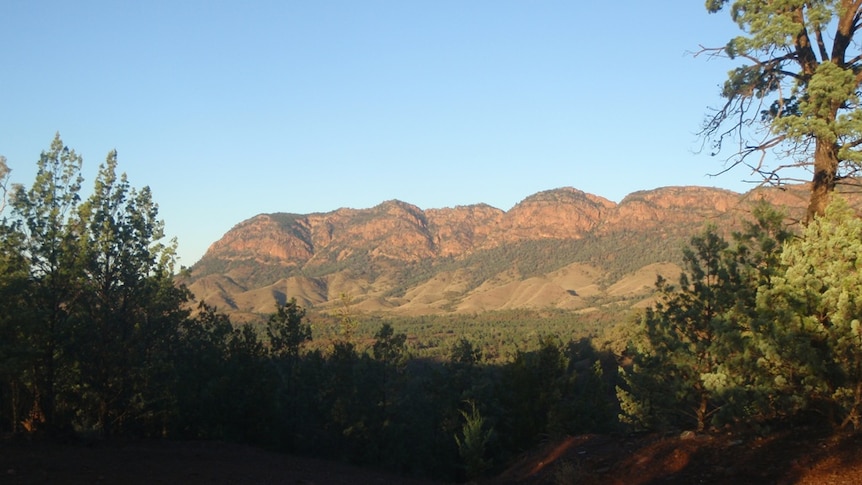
559 248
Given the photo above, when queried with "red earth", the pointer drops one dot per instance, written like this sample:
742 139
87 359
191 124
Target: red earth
796 456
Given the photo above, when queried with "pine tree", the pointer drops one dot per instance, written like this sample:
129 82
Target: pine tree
695 360
45 219
14 345
811 336
473 441
130 308
288 332
796 87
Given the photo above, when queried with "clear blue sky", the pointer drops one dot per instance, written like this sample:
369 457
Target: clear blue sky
231 109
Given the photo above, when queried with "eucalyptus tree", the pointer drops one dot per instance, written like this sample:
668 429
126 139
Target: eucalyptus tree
796 90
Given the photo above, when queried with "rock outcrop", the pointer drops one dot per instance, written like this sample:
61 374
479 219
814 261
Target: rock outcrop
398 257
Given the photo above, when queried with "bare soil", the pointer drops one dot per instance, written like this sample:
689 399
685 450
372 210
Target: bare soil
796 456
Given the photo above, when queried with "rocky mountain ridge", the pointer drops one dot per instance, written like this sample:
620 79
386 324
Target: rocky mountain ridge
560 248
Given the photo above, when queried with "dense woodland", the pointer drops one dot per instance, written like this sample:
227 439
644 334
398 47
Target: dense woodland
98 341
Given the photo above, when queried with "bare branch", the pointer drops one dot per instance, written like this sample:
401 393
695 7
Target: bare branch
4 179
770 177
769 64
857 18
852 144
711 52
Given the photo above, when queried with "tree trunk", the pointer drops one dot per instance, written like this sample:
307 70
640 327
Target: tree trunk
701 412
825 176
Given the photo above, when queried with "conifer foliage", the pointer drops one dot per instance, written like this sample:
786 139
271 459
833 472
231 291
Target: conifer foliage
693 365
93 308
811 334
680 371
767 328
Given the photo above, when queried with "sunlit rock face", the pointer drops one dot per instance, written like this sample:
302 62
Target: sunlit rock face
396 256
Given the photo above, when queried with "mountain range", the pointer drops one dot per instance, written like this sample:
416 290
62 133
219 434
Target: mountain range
561 248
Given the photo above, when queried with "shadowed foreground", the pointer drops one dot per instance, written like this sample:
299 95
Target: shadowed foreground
191 463
800 456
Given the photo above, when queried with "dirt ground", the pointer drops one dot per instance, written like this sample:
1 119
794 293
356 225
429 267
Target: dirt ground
165 462
799 456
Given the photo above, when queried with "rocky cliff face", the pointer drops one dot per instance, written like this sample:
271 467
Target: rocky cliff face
554 214
267 237
403 232
396 256
460 229
671 205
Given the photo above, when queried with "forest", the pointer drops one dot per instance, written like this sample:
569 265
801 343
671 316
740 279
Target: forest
98 341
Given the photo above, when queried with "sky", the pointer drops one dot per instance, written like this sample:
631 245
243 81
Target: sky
229 109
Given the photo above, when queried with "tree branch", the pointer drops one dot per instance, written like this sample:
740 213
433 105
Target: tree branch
4 173
821 46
